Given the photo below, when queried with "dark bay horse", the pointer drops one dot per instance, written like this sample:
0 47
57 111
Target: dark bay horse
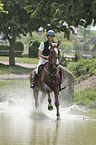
48 81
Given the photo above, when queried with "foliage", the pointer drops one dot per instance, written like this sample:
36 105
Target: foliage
67 45
28 38
61 15
63 61
83 67
57 15
86 97
16 22
33 49
19 47
4 47
86 46
1 8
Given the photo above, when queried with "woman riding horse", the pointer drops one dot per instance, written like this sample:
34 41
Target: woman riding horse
44 50
49 78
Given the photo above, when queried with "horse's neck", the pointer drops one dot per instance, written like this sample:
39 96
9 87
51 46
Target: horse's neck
50 68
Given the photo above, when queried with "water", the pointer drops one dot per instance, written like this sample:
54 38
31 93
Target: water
22 124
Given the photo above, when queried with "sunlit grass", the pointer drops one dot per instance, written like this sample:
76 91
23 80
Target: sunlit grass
21 60
86 97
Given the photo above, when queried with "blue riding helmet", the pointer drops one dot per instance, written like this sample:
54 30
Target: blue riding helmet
50 33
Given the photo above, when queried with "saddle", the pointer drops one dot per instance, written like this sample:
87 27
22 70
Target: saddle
40 69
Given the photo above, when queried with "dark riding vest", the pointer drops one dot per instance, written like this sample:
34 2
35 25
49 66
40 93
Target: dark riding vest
46 48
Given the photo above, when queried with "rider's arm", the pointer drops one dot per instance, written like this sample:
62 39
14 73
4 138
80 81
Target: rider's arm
43 56
41 48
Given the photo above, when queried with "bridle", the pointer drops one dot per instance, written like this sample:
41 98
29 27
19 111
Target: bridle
55 58
53 64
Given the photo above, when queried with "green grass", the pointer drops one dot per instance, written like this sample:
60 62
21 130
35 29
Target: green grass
83 68
21 60
86 97
6 69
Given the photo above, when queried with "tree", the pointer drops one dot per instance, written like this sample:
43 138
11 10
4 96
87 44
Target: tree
17 21
61 15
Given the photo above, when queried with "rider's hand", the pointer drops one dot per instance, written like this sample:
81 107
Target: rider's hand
47 57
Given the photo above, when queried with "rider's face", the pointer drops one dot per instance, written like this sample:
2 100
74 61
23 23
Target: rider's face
50 38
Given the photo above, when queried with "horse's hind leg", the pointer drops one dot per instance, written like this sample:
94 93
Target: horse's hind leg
35 94
50 107
42 97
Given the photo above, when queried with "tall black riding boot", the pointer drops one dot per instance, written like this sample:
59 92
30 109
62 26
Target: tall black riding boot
33 80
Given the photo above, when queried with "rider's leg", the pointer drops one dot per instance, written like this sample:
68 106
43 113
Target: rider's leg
35 73
33 79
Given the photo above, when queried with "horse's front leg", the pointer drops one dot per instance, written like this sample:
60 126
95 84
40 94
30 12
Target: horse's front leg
35 94
56 92
50 107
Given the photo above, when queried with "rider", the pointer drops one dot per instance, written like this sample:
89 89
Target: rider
44 50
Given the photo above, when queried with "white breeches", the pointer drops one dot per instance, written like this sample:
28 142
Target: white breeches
41 61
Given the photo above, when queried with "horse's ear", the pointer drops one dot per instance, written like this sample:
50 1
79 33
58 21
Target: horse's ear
58 44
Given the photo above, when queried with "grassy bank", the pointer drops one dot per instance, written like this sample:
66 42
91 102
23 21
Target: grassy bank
83 71
86 97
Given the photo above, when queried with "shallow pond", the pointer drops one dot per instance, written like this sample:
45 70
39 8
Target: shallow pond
22 124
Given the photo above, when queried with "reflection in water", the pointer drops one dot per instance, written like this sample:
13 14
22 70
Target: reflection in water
21 124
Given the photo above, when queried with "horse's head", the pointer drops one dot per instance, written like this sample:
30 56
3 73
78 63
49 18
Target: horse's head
54 53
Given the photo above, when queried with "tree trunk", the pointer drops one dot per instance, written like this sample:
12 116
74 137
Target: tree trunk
12 51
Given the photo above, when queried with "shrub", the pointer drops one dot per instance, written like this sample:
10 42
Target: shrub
86 97
33 49
67 45
63 61
19 47
83 67
4 49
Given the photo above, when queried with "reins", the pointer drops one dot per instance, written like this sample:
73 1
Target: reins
51 74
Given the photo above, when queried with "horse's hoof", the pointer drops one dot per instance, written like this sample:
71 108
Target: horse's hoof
50 108
58 118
